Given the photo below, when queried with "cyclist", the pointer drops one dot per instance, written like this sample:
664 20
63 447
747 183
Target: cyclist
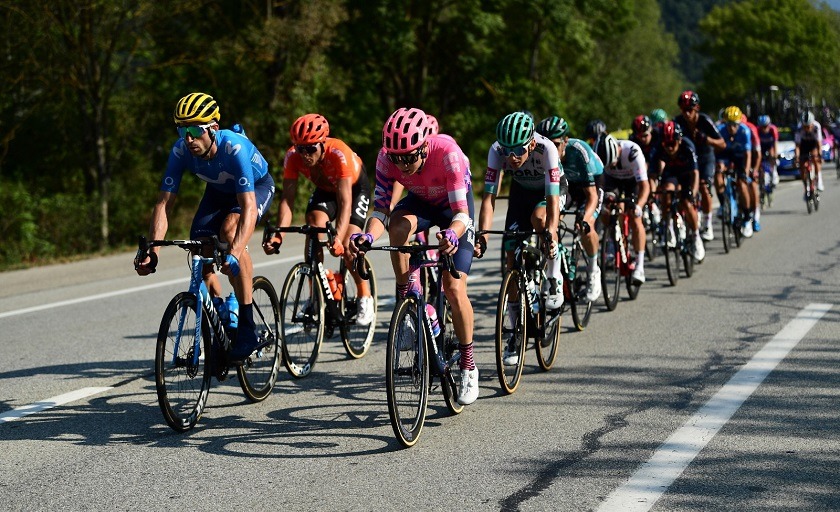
435 173
643 136
593 130
342 193
755 172
768 135
702 131
537 193
582 168
625 170
808 140
677 160
239 191
738 152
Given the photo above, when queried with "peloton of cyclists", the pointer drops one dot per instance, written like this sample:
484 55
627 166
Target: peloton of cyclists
342 193
436 176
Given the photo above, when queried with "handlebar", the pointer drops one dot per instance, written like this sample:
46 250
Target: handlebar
445 260
305 229
220 249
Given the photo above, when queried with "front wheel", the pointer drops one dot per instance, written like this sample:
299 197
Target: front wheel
547 347
357 337
302 319
511 331
726 224
609 262
672 254
259 373
182 375
406 373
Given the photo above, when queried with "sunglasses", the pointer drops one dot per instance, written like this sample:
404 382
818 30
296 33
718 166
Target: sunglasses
193 131
406 159
733 125
517 151
307 149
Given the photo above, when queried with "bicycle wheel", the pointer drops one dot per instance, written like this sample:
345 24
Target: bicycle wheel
581 308
547 348
609 262
448 346
356 337
511 331
182 379
632 287
672 254
302 320
688 255
725 223
259 373
406 374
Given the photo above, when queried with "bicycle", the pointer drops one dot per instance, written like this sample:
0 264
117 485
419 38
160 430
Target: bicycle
681 247
414 351
574 266
520 316
312 310
730 211
812 195
192 343
617 258
766 186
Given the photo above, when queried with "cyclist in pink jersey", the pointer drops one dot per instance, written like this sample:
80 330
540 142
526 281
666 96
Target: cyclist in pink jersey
435 173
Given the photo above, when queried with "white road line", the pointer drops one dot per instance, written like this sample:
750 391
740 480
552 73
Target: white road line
49 403
655 476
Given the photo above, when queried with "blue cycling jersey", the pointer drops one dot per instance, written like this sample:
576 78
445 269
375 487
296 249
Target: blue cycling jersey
739 143
235 168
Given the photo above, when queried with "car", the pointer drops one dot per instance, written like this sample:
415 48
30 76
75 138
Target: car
827 145
785 151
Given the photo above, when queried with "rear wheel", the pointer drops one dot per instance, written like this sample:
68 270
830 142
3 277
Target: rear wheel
182 375
356 337
609 262
581 307
302 320
672 254
688 254
448 345
259 372
725 223
511 331
406 374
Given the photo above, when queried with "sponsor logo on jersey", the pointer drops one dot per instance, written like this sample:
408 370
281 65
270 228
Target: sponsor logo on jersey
231 149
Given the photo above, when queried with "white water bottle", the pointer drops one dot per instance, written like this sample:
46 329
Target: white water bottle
533 298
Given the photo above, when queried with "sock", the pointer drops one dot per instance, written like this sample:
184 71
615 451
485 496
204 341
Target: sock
402 290
466 362
757 214
553 268
593 261
513 312
640 259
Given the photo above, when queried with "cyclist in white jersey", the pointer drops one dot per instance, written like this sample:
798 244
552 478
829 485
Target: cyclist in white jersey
808 140
625 170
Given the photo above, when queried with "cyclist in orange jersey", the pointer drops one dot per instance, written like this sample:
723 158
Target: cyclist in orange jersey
342 192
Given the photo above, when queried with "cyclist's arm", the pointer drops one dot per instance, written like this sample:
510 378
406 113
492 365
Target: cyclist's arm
160 217
344 201
287 201
485 216
591 204
642 192
396 194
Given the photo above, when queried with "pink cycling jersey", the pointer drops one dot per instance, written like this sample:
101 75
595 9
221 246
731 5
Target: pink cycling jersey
443 181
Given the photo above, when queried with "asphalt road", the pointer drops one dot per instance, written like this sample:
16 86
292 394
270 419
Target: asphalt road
718 394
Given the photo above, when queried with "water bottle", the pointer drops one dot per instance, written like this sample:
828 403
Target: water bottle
333 279
221 309
531 288
232 310
431 314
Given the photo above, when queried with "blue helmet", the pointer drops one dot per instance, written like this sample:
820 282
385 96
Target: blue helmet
763 120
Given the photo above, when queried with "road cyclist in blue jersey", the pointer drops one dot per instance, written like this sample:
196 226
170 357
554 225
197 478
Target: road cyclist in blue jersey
239 191
738 152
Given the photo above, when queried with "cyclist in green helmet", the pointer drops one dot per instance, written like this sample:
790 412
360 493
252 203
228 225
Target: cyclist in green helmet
657 116
537 191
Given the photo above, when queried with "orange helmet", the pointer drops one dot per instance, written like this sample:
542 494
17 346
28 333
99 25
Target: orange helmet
309 129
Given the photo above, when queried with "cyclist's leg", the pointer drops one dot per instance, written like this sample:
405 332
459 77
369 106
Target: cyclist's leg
404 223
706 165
817 154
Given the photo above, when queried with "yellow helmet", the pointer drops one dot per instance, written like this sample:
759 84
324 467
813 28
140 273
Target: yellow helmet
732 114
196 107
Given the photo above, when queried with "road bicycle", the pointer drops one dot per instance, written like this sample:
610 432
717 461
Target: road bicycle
311 310
730 214
193 342
574 266
812 195
617 258
766 186
678 245
416 354
522 316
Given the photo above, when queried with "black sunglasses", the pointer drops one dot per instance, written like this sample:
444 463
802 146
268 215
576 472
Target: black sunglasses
406 159
308 149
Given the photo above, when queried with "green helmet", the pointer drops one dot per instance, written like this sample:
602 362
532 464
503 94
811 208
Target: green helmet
553 127
658 115
515 130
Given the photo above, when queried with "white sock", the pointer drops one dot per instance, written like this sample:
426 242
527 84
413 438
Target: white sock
640 259
757 214
553 269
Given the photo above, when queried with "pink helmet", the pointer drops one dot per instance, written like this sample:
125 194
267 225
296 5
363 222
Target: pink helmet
405 130
434 127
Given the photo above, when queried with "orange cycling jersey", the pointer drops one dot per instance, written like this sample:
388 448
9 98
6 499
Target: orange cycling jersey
339 162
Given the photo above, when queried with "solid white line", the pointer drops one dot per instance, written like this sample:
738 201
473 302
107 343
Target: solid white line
655 476
49 403
116 293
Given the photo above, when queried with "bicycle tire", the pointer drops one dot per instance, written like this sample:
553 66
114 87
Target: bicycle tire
259 372
725 224
182 386
672 254
357 338
581 308
632 287
548 346
609 262
688 256
406 374
302 319
511 336
448 345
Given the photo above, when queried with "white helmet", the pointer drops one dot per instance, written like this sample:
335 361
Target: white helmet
606 147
